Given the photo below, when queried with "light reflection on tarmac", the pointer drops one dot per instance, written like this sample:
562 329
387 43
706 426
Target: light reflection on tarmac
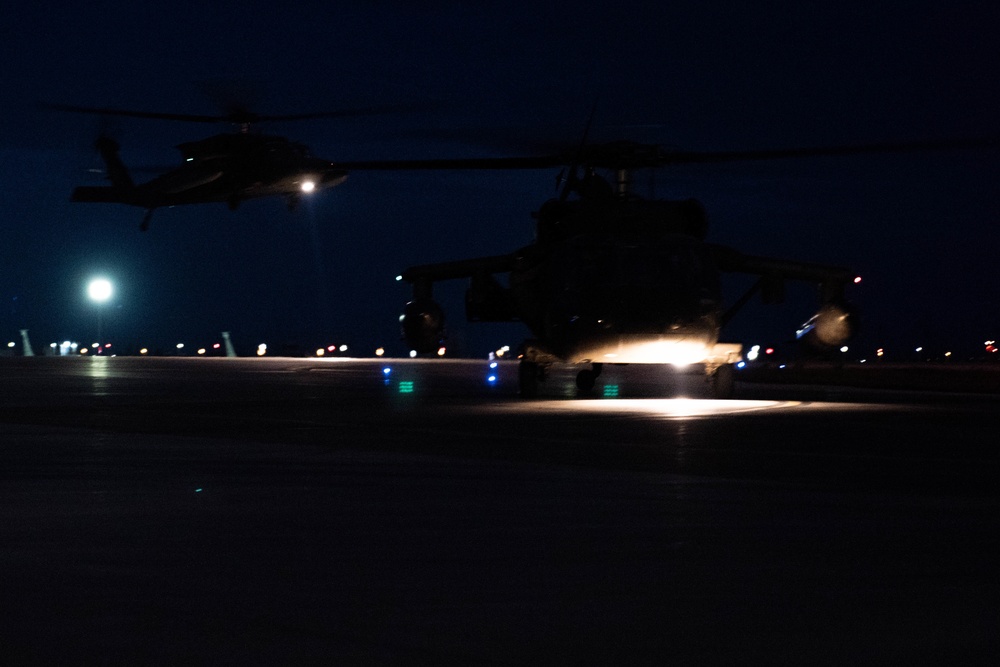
673 408
294 511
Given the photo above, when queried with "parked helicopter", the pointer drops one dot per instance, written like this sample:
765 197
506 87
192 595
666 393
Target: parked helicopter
229 167
612 277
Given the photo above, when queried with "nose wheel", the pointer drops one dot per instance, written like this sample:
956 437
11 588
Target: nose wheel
722 382
586 378
529 374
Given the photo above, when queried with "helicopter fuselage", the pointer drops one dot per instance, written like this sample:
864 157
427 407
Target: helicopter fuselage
613 278
605 298
226 168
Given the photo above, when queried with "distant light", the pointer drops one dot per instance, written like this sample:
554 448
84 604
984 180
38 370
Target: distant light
769 350
262 349
308 186
201 350
10 344
331 348
879 352
398 278
343 348
493 364
844 348
180 346
781 366
857 280
947 354
919 349
492 379
379 351
320 352
99 289
741 365
441 351
386 370
83 350
413 354
217 346
144 351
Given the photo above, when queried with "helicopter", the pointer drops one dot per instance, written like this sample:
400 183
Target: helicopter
614 278
229 167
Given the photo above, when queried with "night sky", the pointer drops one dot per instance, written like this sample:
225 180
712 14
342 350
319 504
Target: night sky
494 79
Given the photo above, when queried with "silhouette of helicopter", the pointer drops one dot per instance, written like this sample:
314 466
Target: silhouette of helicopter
612 277
229 167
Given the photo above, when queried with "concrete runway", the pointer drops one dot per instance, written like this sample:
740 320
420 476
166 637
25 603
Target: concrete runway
283 511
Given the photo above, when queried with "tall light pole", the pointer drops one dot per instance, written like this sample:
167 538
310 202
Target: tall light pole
99 290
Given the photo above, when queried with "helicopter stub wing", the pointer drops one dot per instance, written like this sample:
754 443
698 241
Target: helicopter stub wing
733 261
832 325
423 319
424 276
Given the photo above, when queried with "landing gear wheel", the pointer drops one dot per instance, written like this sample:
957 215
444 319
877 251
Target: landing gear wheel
528 375
585 380
723 382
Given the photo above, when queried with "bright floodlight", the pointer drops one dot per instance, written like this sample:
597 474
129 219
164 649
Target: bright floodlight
99 289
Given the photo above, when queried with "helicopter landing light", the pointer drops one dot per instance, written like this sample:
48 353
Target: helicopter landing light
676 353
642 349
308 186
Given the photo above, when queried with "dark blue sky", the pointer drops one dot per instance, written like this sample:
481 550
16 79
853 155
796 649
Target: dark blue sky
485 76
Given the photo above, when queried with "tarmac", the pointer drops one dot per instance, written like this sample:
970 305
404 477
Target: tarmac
336 511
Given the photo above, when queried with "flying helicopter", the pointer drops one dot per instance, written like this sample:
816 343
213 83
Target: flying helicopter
614 278
230 167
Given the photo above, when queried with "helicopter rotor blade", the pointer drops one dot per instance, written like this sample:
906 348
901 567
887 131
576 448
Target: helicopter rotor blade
236 116
107 111
671 157
629 155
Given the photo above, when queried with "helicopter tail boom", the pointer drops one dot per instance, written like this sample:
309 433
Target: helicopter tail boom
121 189
117 172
